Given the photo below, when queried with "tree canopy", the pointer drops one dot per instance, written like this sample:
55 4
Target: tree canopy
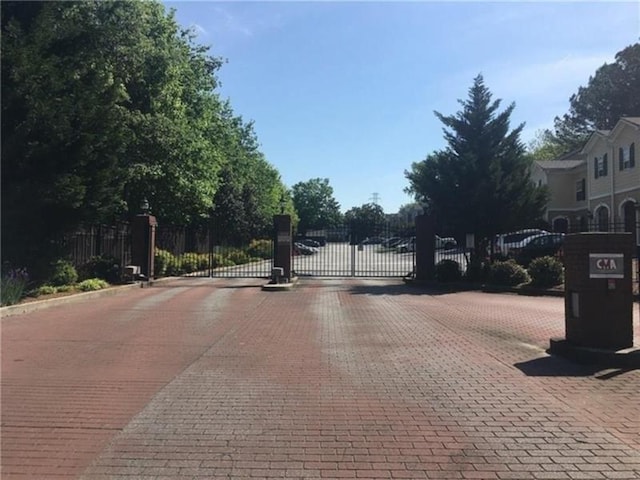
366 221
480 183
315 205
105 104
611 93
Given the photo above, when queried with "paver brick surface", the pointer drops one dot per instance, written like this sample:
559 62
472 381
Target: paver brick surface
338 378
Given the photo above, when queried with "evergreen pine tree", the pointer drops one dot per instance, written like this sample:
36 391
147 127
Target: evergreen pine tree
480 183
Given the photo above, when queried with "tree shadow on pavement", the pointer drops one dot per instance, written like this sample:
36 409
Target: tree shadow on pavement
553 366
399 289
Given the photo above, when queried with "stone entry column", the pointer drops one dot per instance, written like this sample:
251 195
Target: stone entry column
143 240
598 290
283 246
425 247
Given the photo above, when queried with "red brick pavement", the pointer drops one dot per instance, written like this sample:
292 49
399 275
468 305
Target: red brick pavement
334 379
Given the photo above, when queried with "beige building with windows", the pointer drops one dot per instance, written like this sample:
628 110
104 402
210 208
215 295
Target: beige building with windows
597 187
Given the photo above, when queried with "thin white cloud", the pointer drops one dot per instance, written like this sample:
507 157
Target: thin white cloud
231 23
200 30
545 79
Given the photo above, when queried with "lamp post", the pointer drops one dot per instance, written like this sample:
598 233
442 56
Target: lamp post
144 206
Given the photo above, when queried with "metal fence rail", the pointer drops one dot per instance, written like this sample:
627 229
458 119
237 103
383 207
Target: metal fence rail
99 240
203 252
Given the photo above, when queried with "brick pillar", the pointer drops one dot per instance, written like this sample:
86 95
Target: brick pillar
425 247
598 290
143 240
283 244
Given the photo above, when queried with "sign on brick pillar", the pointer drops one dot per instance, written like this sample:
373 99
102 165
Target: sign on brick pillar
283 247
598 290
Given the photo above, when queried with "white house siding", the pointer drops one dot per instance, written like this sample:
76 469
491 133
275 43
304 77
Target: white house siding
629 178
602 185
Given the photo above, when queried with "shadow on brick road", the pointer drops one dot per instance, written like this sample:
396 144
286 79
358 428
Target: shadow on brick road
399 289
553 366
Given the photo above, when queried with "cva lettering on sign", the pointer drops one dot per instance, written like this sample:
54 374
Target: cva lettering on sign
606 265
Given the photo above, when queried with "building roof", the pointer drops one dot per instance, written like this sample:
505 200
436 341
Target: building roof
634 120
559 164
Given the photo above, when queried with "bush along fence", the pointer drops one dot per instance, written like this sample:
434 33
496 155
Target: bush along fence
205 252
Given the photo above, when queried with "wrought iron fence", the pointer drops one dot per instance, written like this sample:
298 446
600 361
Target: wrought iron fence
201 251
99 240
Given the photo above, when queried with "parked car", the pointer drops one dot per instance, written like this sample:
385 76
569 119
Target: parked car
309 242
391 242
538 246
408 245
445 242
302 249
507 241
372 241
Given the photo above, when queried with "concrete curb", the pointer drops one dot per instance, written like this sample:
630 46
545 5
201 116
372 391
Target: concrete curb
28 307
279 287
627 358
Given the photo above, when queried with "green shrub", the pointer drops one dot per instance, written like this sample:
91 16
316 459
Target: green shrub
203 261
477 271
546 272
63 273
174 267
189 262
92 284
161 261
103 266
65 288
45 290
218 261
448 271
12 286
262 249
238 257
507 273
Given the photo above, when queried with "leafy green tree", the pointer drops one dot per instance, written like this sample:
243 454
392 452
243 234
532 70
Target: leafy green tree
545 147
365 221
480 183
103 104
612 92
315 205
251 191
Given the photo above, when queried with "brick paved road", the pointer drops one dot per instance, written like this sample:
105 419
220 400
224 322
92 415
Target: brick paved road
334 379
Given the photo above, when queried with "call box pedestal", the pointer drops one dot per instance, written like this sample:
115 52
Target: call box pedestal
598 296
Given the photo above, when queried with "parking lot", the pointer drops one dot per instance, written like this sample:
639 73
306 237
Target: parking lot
343 260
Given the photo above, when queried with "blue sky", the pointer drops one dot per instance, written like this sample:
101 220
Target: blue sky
346 90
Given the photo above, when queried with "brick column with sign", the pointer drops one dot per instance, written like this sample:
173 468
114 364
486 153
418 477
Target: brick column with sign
283 244
598 290
425 247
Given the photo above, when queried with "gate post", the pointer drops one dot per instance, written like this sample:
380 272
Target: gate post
143 240
425 247
283 245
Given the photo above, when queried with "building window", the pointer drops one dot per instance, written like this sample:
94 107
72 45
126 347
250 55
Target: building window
627 157
581 193
602 216
600 166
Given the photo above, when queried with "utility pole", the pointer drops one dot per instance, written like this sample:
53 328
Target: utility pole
375 197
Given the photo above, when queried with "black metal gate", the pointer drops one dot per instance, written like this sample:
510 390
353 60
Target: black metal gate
382 250
205 252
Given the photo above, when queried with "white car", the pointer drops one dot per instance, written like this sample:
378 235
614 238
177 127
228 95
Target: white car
445 242
441 243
